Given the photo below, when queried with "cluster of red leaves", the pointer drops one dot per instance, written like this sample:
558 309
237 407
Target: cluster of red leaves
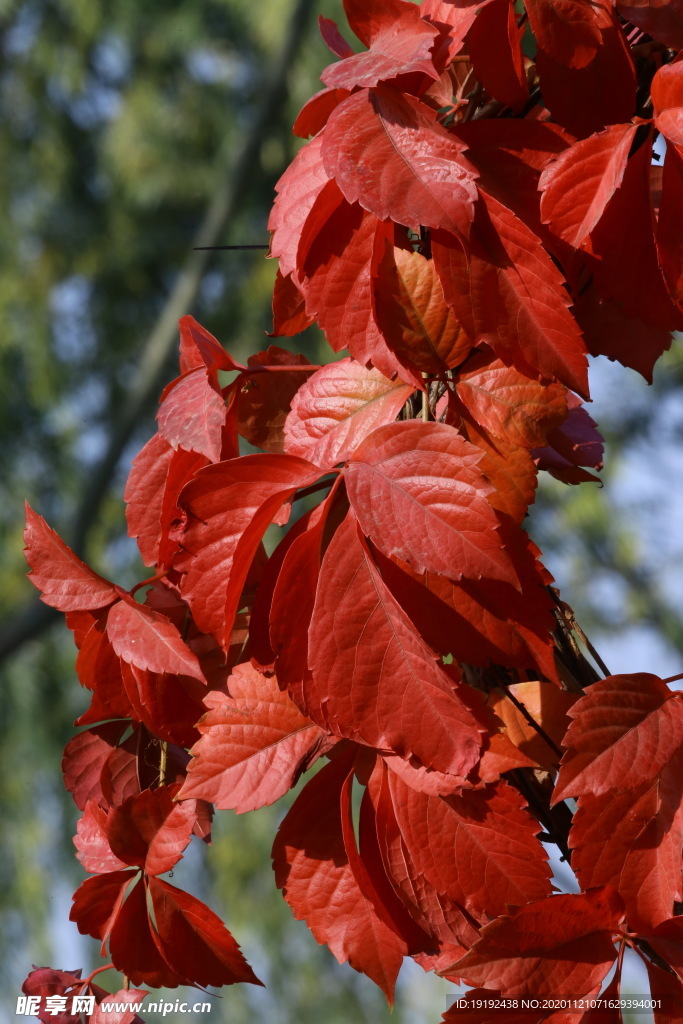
467 221
44 982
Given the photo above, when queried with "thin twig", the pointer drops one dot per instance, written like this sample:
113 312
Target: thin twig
589 647
163 763
219 248
533 723
425 405
572 624
313 489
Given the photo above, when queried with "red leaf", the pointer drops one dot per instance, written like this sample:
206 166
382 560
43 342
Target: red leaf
424 780
65 582
184 465
337 407
231 505
134 766
151 830
438 915
99 669
468 1009
496 53
574 444
387 967
265 398
97 902
508 468
314 114
194 941
507 291
400 42
578 185
105 1014
558 946
548 707
84 758
262 654
669 242
626 729
333 38
610 331
133 945
45 982
192 414
366 860
340 267
567 30
370 19
120 776
388 152
313 870
144 495
48 981
156 477
667 99
418 494
510 155
499 757
297 189
454 19
255 744
477 849
289 308
339 272
413 316
167 703
666 940
584 63
374 680
478 622
508 404
92 843
626 266
148 640
665 988
198 348
633 841
81 622
662 19
293 600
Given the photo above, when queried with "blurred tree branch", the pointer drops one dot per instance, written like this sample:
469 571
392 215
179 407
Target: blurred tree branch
31 620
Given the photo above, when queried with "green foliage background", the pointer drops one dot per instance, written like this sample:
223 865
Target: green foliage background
121 125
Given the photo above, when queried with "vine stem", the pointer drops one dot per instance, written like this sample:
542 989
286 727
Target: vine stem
673 679
148 582
532 722
98 970
646 952
313 489
590 648
568 615
163 763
